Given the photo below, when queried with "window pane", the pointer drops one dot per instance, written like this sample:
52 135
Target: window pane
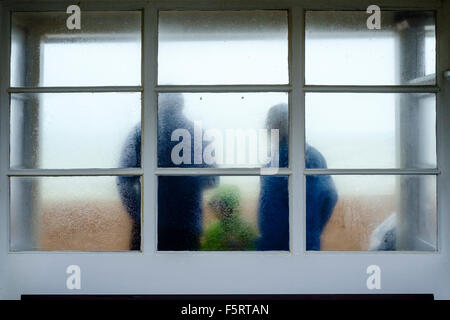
72 213
223 130
105 51
75 130
341 50
223 213
372 130
223 47
371 213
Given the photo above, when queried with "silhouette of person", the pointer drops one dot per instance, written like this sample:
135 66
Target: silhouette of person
321 195
321 198
179 197
130 187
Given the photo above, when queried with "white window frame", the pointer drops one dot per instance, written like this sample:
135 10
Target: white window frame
297 271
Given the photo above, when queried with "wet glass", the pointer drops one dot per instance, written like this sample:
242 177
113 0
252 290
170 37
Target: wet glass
224 130
223 213
341 50
106 51
73 130
372 212
372 130
71 214
223 47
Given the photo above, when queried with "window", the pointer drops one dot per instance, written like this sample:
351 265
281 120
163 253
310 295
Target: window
62 117
288 134
371 130
225 129
222 129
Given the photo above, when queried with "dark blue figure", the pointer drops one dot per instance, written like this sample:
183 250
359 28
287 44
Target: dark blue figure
273 210
130 187
321 196
179 198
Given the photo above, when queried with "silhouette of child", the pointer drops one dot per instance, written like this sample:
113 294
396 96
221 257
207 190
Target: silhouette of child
230 231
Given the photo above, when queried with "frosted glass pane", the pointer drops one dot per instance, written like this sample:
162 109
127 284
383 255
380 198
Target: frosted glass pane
223 130
379 212
379 130
105 51
223 47
341 50
73 130
69 213
223 213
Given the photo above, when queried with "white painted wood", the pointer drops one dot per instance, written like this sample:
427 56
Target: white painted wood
443 149
4 150
224 88
150 131
297 137
259 272
372 171
371 89
74 89
75 172
217 171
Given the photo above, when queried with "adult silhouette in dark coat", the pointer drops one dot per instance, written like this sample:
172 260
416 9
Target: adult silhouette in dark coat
130 187
321 196
179 198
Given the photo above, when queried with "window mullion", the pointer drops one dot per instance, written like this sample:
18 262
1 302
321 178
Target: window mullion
4 146
224 88
149 131
371 89
297 132
218 171
75 172
442 129
75 89
372 171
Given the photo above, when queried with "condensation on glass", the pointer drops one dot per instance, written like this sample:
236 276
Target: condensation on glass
379 213
341 50
223 130
223 47
223 213
372 130
106 51
69 213
72 130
